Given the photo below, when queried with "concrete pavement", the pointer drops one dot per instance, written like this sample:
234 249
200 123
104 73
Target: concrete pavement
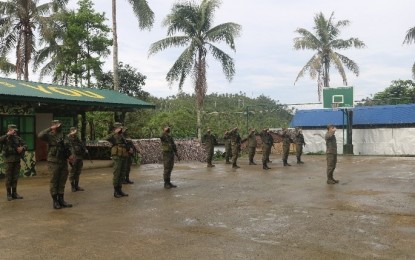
222 213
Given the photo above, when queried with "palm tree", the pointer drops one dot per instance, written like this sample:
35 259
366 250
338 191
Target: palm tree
325 41
410 38
195 22
145 21
19 21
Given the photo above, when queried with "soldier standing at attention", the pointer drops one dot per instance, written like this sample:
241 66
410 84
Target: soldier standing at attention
131 153
169 150
331 153
252 143
209 140
267 142
119 156
58 154
13 150
228 147
76 160
299 143
286 140
236 146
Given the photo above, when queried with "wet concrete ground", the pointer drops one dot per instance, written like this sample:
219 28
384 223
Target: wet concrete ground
221 213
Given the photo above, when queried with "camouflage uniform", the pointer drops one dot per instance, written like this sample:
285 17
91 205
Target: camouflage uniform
286 140
252 143
78 151
331 155
58 153
228 147
236 146
169 150
119 156
299 143
267 142
11 155
209 140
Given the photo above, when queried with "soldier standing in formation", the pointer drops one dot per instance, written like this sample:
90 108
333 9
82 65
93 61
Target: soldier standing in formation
228 146
267 142
119 156
169 150
209 140
252 143
13 150
78 151
58 154
131 153
286 140
331 153
299 143
236 146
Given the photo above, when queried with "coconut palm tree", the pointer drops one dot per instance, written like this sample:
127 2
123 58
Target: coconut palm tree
198 38
145 21
325 41
410 38
18 23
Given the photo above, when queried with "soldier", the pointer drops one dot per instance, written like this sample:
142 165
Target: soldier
236 146
58 154
131 153
299 143
331 153
78 151
169 150
267 142
228 147
286 140
209 140
119 156
252 143
14 148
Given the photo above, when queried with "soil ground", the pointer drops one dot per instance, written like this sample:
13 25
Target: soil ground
222 213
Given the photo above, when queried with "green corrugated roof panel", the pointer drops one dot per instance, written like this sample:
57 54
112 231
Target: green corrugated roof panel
11 89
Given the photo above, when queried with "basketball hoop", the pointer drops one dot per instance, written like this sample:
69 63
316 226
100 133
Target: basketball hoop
335 106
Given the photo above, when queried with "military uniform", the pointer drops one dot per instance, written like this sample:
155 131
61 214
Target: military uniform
267 142
119 156
252 143
78 151
209 140
228 147
299 143
169 150
236 146
131 151
286 140
58 154
13 149
331 155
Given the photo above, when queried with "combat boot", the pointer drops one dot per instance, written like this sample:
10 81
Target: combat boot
265 166
252 163
210 165
299 160
116 193
9 194
121 192
286 163
73 187
234 166
171 184
77 186
228 162
15 195
55 203
62 202
127 180
336 181
331 182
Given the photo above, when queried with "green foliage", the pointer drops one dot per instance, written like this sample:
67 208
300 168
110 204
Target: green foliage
410 38
399 92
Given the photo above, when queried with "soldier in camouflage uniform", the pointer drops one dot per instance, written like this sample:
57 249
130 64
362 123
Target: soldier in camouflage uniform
13 149
331 153
267 143
252 143
76 160
58 154
299 143
209 140
169 150
236 146
286 140
228 147
119 156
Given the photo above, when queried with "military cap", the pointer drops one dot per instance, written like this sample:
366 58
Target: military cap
56 122
11 126
117 125
72 129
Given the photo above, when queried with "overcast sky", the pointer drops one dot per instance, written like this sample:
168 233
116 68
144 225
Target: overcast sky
266 62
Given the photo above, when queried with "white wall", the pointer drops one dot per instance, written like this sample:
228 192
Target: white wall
377 141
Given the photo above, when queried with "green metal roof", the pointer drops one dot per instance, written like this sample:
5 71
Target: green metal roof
19 90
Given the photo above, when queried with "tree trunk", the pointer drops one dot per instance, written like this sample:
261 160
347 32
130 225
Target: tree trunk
115 45
199 122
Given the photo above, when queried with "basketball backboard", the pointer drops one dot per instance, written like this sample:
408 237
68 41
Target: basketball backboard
341 97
